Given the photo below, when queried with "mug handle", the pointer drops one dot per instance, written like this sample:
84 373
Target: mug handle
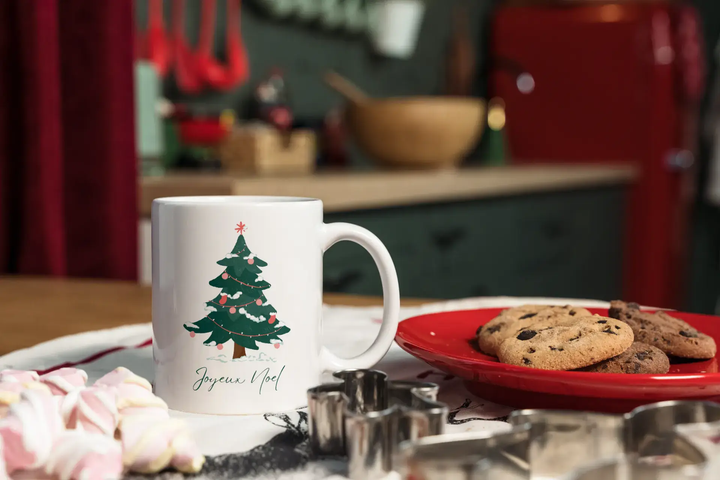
334 233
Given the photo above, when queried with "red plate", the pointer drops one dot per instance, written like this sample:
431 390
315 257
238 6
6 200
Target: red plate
445 340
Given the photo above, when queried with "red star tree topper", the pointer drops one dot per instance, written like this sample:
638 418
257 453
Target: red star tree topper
240 312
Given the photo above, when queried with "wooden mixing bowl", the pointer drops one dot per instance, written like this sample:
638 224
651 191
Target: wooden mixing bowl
417 132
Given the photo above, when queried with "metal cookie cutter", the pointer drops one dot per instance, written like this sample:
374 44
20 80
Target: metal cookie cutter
366 417
563 444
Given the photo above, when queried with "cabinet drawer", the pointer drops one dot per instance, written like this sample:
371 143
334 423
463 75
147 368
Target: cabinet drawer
555 244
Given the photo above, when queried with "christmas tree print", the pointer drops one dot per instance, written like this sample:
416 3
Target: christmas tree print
240 312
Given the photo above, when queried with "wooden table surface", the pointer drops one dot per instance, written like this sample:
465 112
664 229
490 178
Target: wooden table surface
34 310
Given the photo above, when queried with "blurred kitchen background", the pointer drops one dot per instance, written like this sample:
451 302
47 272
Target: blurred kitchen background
562 149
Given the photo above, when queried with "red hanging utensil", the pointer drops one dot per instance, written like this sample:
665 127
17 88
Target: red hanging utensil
186 74
154 45
212 71
237 54
206 65
158 45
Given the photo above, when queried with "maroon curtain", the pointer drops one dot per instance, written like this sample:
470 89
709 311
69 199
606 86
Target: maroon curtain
67 153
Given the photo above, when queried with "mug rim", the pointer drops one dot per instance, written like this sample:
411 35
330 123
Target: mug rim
218 200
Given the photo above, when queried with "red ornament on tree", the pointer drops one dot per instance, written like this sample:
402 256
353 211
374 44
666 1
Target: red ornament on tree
192 334
258 302
225 276
223 300
272 319
232 310
220 347
277 345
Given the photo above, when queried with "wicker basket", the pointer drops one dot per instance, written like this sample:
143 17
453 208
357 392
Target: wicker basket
262 150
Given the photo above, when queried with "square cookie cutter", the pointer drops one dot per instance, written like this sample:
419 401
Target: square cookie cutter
366 417
544 444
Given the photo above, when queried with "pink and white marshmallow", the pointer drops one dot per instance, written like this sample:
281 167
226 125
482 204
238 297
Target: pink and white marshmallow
80 455
151 445
133 394
64 380
133 399
18 376
29 430
120 376
3 468
91 410
10 393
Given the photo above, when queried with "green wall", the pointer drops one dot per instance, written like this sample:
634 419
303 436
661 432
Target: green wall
304 52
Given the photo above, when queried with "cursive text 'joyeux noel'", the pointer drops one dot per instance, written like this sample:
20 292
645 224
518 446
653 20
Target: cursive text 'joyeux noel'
259 377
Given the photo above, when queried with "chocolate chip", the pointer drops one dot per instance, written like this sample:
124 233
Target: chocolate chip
495 328
575 338
636 367
479 329
526 361
528 315
642 355
552 348
688 334
609 330
572 312
602 321
617 327
526 335
531 350
561 349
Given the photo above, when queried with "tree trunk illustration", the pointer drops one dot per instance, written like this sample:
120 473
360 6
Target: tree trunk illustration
239 351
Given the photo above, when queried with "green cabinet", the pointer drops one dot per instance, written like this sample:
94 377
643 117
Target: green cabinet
565 244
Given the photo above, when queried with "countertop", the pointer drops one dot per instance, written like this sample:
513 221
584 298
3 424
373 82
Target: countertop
34 310
378 189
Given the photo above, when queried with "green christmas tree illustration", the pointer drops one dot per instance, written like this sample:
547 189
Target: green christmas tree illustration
240 312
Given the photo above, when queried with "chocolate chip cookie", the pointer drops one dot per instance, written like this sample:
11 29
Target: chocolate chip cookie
639 358
492 334
671 335
548 346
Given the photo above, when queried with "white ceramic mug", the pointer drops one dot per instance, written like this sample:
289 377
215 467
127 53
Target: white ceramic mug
237 301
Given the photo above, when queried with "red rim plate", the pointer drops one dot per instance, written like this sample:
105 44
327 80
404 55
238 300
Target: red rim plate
445 341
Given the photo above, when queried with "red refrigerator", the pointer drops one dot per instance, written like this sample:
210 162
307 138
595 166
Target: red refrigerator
611 83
